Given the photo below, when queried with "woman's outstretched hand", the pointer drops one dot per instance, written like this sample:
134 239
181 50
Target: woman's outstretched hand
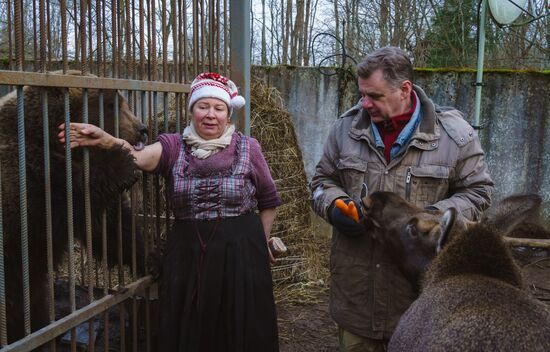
86 135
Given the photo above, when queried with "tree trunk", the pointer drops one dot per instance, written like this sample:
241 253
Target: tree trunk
287 26
306 47
264 54
297 33
384 20
337 29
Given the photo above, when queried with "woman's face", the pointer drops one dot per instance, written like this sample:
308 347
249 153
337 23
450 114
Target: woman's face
210 117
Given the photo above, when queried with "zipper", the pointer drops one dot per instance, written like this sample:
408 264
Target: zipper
408 184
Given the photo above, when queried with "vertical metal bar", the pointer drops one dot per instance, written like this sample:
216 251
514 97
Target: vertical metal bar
10 54
144 97
122 309
104 41
68 170
21 18
178 112
86 161
240 57
179 37
153 42
127 37
106 283
119 234
202 29
164 42
212 34
47 174
49 34
149 42
41 15
104 264
35 37
23 207
3 320
195 38
120 26
19 35
185 44
90 40
22 169
133 196
63 10
218 38
225 39
141 42
114 63
174 22
70 228
76 43
146 184
48 205
99 33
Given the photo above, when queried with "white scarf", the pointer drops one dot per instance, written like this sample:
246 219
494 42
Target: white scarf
203 148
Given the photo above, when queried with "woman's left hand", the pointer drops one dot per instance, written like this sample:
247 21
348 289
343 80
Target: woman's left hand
86 135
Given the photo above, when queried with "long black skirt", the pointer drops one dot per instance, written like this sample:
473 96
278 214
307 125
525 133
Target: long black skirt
216 292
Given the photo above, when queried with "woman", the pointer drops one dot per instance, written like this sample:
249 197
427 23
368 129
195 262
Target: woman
216 291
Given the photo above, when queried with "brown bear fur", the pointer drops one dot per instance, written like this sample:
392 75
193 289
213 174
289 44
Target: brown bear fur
111 172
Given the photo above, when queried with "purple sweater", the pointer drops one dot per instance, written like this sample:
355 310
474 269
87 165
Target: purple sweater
266 193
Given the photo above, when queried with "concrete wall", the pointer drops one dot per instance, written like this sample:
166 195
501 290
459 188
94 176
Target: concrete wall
515 117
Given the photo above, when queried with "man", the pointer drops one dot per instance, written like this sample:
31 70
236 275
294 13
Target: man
394 139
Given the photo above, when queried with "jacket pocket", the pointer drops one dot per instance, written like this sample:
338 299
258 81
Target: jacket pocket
427 184
352 172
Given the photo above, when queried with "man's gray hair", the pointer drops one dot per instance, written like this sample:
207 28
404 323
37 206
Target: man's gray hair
394 63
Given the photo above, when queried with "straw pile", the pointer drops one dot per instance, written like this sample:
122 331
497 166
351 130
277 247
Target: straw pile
300 275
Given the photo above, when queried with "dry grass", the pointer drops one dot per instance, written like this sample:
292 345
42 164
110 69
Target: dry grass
301 274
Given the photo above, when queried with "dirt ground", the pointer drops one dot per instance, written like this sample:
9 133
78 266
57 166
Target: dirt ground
307 327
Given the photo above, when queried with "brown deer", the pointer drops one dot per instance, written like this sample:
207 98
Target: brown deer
472 298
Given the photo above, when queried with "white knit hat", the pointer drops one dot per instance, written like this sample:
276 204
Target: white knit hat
213 85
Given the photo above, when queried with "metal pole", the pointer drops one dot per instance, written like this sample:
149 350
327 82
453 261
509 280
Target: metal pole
480 57
239 17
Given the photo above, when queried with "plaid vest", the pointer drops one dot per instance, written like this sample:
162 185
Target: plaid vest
223 194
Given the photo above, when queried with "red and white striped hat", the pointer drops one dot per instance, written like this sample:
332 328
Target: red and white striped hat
213 85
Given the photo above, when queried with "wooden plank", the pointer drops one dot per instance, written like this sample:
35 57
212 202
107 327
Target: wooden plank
20 78
527 242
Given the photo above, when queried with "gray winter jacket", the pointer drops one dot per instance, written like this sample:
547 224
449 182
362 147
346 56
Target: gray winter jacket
442 165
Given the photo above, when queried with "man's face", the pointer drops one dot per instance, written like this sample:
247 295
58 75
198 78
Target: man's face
381 100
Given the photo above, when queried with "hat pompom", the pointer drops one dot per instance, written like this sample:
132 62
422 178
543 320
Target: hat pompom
237 102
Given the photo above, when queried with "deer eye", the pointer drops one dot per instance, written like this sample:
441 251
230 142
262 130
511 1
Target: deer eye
412 231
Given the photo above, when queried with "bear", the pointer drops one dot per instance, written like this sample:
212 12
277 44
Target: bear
111 172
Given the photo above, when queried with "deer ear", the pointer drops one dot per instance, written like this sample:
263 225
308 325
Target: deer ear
511 211
367 205
446 224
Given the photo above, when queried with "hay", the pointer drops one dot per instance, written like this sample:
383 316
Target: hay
302 274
